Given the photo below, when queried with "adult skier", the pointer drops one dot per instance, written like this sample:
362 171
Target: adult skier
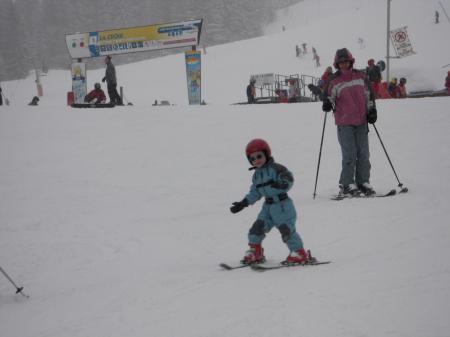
374 75
111 81
349 95
251 91
271 181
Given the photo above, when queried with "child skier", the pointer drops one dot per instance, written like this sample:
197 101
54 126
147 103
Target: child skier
271 181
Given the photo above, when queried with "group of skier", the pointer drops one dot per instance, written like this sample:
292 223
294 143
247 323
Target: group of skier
97 95
349 94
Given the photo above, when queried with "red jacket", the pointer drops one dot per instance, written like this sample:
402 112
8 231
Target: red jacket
97 94
349 92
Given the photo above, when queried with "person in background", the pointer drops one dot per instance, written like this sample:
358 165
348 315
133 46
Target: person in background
251 91
392 87
349 95
111 81
34 101
270 181
328 72
447 82
96 96
401 92
1 96
374 75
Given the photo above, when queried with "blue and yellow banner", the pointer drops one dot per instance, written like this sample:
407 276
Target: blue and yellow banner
194 76
79 87
131 40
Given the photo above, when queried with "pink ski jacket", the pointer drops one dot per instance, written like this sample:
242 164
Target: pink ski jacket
349 93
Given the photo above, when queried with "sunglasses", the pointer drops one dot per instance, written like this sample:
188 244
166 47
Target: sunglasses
256 157
346 61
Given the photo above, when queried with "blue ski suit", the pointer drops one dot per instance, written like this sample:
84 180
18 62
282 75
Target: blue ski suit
272 181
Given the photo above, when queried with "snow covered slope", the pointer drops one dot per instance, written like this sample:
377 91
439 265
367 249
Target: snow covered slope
115 220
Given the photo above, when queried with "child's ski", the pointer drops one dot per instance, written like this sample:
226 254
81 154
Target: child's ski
227 266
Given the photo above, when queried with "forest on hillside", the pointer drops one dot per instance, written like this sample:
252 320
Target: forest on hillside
32 31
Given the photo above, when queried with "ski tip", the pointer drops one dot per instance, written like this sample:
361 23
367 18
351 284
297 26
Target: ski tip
225 266
391 192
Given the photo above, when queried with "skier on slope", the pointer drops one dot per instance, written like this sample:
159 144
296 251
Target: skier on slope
111 81
350 96
271 181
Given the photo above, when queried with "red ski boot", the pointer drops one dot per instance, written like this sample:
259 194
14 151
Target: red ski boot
298 257
254 255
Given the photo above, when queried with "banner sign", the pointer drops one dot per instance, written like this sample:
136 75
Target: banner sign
131 40
193 76
79 81
263 79
401 42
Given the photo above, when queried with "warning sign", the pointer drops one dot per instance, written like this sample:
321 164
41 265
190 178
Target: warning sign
401 42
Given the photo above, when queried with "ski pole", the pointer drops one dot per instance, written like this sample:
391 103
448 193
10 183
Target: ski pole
19 290
320 154
400 185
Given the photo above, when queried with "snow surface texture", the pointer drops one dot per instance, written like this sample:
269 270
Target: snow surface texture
115 220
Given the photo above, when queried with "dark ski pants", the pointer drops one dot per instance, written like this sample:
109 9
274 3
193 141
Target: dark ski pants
114 96
354 143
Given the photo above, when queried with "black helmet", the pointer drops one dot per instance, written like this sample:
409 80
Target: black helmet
97 86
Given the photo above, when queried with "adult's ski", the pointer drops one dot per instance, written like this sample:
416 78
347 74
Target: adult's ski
376 195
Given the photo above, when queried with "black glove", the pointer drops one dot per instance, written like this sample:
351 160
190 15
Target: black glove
281 185
103 79
238 206
327 106
372 115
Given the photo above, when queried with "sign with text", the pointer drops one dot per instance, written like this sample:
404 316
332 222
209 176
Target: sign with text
263 79
136 39
401 42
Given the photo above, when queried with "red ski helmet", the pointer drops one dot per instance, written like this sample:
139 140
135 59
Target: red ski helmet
343 55
371 62
258 145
